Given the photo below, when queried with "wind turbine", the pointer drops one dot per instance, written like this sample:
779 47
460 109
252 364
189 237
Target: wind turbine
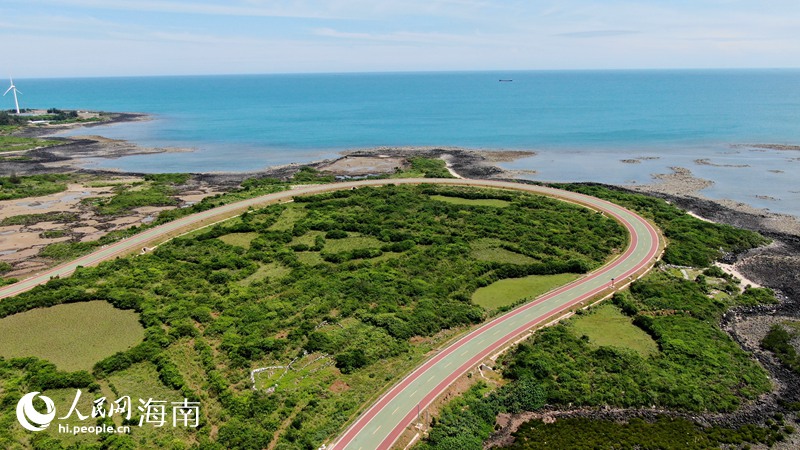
13 88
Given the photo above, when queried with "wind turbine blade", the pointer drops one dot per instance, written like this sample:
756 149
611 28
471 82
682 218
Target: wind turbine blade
18 91
7 91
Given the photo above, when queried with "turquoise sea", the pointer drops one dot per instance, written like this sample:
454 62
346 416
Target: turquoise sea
580 123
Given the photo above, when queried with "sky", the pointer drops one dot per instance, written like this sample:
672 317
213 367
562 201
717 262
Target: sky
80 38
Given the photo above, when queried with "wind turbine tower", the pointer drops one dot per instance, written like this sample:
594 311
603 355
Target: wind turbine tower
13 88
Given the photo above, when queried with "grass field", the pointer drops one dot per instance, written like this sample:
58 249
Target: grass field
491 250
302 373
141 381
509 291
239 239
270 270
310 258
308 238
605 325
72 336
470 202
32 186
15 144
289 217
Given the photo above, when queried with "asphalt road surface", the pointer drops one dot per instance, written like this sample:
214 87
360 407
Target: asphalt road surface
381 425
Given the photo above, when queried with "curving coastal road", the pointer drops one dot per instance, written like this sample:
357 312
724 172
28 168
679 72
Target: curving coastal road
382 424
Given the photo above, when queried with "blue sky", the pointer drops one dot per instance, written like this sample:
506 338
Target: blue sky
61 38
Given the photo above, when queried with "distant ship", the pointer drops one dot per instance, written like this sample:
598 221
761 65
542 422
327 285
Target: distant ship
506 81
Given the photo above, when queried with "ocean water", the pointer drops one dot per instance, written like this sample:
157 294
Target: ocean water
580 123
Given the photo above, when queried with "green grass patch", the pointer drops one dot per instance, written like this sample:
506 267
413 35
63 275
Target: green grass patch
128 199
300 374
491 250
424 168
351 243
510 291
605 325
239 239
665 433
73 336
168 178
471 202
779 341
32 219
310 258
16 144
288 217
142 381
54 234
271 271
107 183
308 239
64 251
32 186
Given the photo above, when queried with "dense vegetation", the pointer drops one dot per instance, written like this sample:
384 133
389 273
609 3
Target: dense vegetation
9 123
158 189
663 434
697 366
692 242
360 282
32 219
779 341
32 186
425 168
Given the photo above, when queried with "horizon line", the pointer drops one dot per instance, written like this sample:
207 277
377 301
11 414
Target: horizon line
421 72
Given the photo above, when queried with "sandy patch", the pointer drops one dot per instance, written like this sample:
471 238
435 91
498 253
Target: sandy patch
19 240
11 229
68 201
698 217
92 236
45 226
148 210
85 230
339 386
364 165
122 221
448 163
732 270
192 197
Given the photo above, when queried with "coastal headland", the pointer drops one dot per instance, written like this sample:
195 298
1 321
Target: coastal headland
85 212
